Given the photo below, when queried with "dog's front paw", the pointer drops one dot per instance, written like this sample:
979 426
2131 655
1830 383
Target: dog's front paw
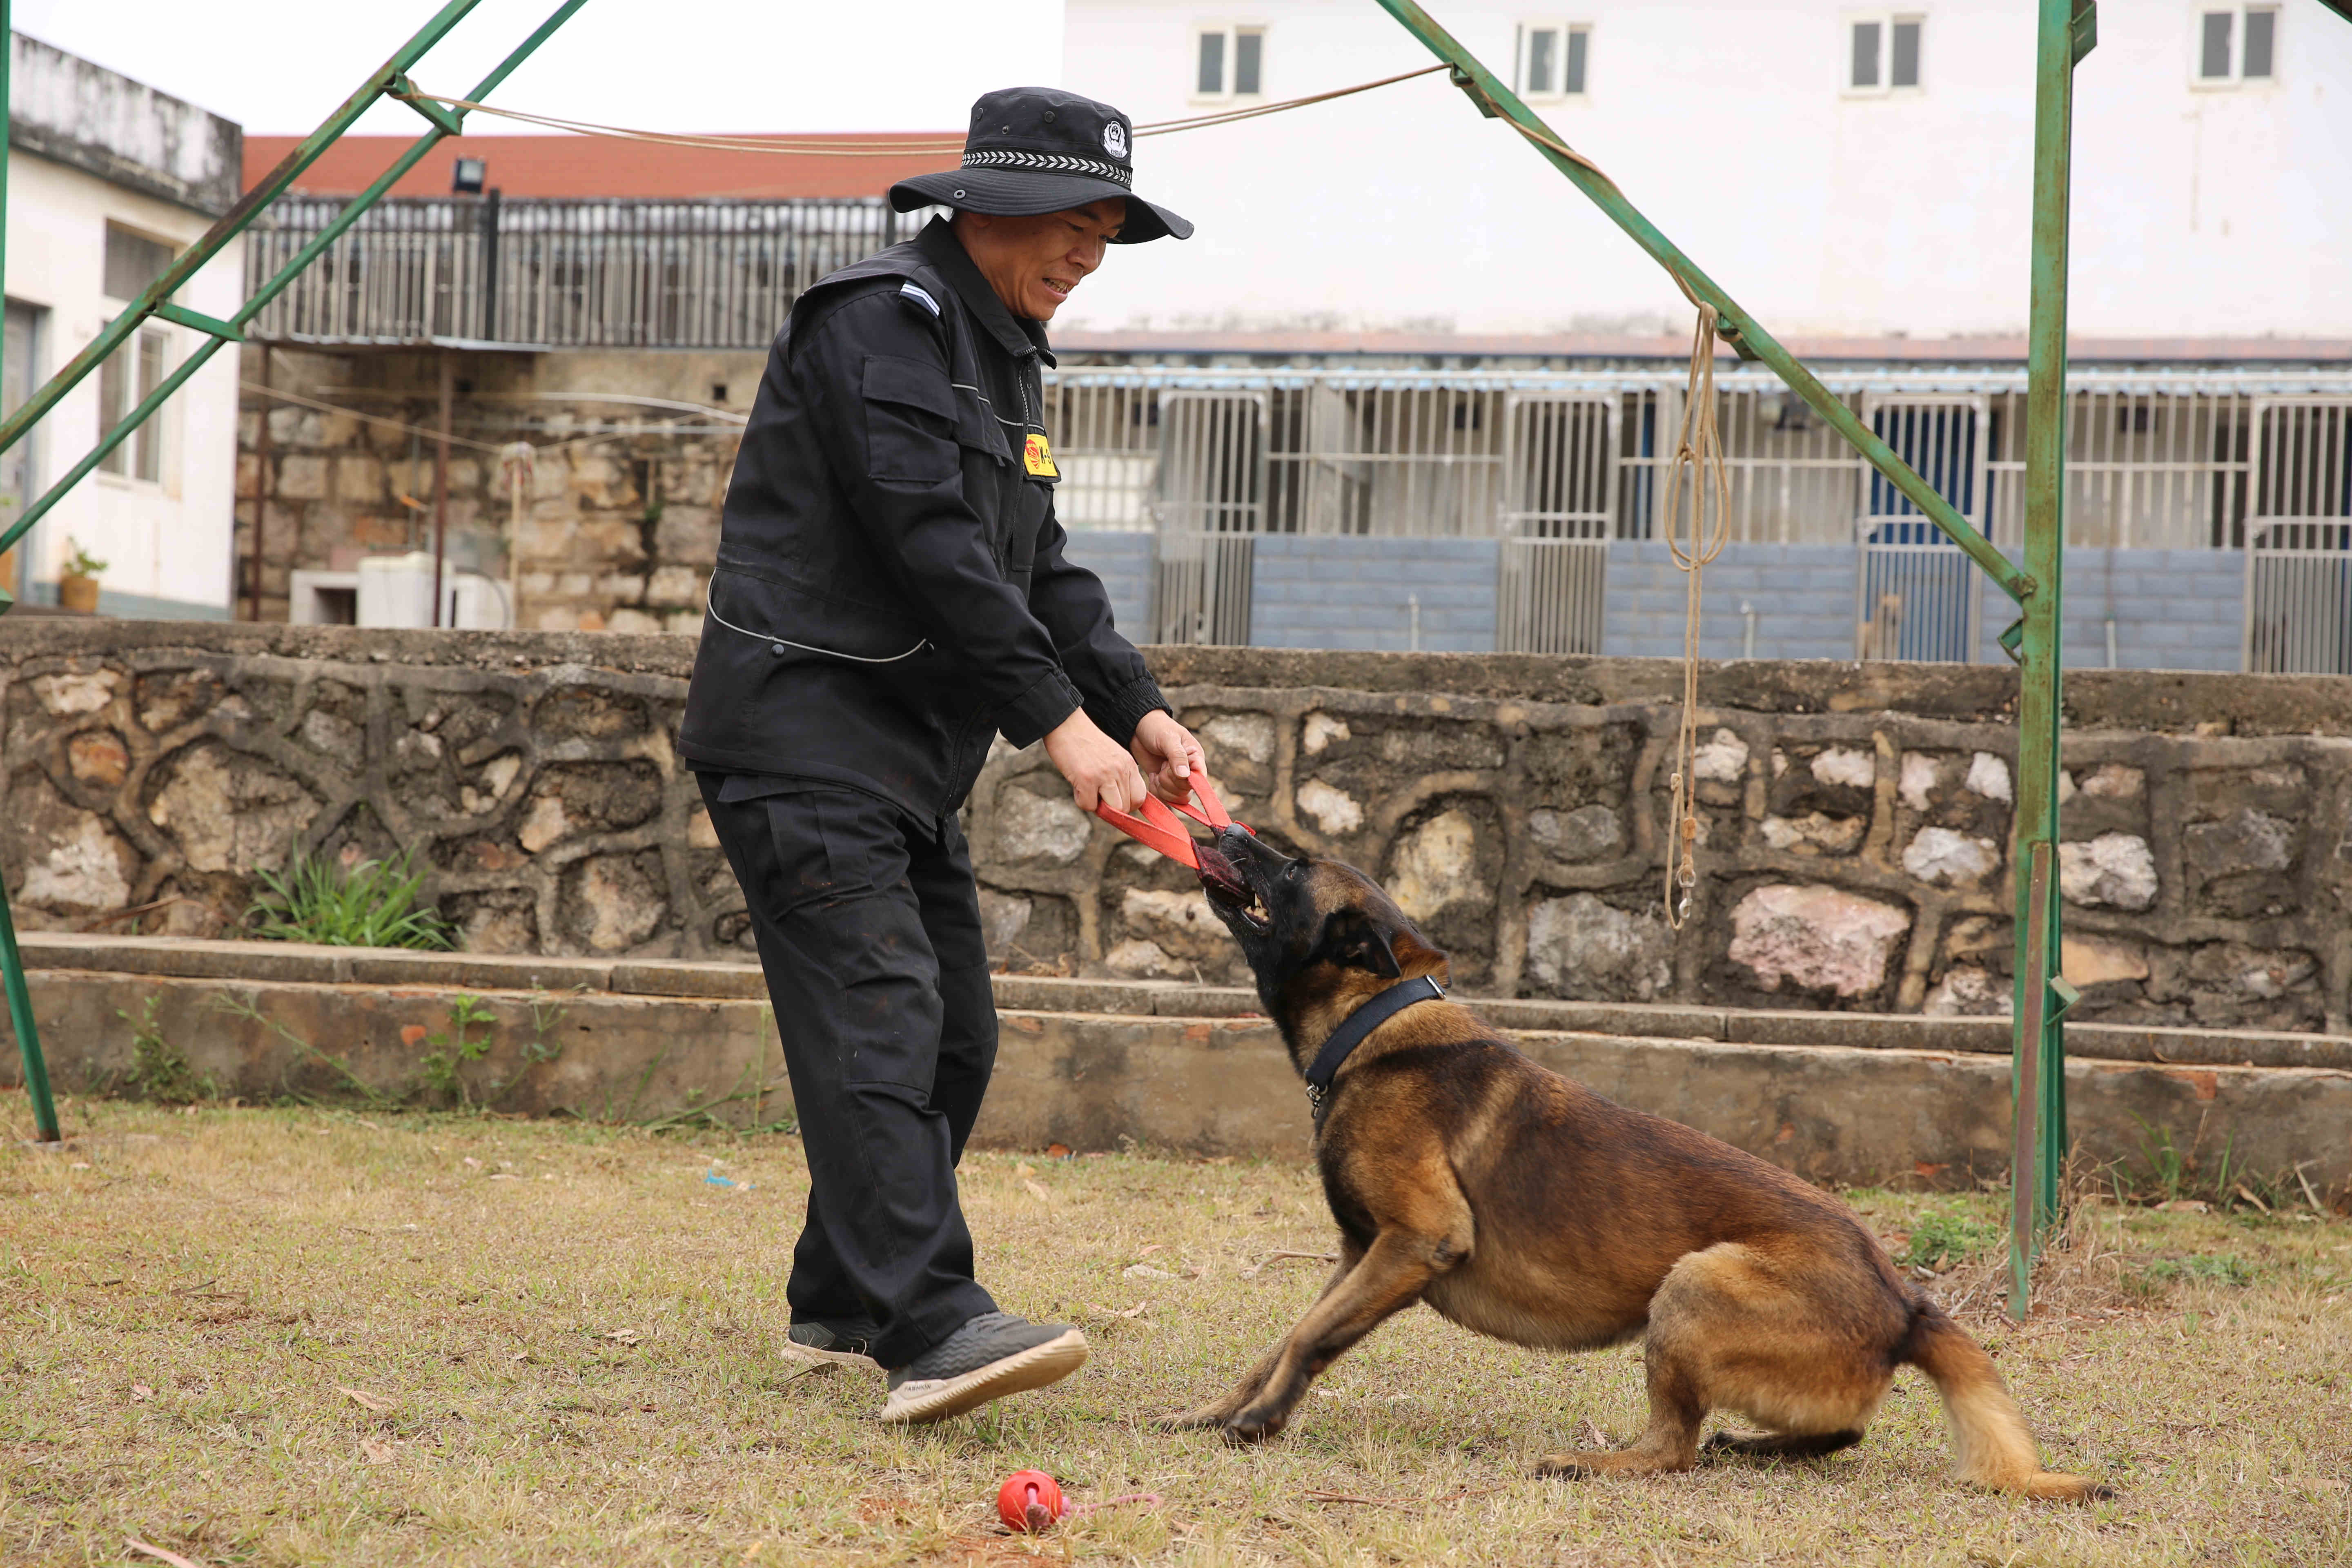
1569 1467
1255 1425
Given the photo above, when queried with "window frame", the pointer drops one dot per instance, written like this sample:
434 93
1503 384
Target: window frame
1523 43
169 253
126 378
2237 11
1885 22
1229 67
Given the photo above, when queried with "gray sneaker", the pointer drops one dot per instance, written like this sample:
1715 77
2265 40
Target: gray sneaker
832 1344
990 1356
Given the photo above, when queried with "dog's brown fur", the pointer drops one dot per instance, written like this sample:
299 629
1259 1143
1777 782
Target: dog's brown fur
1521 1204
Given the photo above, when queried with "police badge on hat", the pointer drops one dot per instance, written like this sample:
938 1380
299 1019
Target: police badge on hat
1114 140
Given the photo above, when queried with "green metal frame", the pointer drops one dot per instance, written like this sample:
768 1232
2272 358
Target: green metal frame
389 80
2068 29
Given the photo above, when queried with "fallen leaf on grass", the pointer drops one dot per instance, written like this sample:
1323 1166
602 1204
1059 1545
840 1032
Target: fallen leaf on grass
1040 1193
1024 1168
364 1400
1273 1258
174 1558
1591 1436
141 1393
375 1450
1148 1251
1316 1494
621 1336
1145 1271
472 1163
2188 1206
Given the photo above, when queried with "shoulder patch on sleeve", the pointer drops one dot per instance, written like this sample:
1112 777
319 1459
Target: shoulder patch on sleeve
921 296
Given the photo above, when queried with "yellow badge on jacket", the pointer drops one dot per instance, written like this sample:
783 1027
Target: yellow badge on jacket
1037 453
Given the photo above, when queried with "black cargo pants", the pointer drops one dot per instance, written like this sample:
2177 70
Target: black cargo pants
868 926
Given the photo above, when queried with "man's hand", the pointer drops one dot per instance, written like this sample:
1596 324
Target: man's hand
1095 765
1169 756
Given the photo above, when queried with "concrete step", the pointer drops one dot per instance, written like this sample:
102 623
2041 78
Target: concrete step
1836 1097
297 963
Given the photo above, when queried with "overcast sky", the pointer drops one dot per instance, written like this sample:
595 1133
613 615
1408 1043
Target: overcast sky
280 66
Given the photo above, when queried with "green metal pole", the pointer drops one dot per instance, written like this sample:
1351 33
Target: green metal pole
1742 329
12 962
2065 31
113 438
234 222
229 331
156 301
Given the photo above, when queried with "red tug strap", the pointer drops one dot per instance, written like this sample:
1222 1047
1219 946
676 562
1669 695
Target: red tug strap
1157 826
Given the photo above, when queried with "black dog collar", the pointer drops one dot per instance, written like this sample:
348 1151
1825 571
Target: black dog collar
1356 1028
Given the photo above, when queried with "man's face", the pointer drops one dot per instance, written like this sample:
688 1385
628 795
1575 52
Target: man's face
1032 263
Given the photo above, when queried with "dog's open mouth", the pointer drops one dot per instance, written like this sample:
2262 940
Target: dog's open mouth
1229 890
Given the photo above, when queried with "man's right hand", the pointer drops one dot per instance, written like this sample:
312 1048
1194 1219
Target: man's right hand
1098 768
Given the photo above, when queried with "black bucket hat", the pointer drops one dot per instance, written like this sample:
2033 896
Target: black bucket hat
1038 150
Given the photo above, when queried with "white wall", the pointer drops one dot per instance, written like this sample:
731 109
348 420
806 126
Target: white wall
173 540
2198 212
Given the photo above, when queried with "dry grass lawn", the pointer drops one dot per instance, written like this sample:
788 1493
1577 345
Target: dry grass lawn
294 1336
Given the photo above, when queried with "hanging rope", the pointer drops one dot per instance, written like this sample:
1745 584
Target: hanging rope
902 147
1698 449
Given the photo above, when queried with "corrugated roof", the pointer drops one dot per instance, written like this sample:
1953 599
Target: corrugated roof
594 167
1569 345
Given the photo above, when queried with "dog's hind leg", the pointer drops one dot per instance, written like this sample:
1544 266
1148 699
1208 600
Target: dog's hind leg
1390 1277
1670 1442
1782 1445
1228 1404
1726 1329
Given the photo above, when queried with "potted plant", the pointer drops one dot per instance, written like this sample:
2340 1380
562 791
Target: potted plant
78 583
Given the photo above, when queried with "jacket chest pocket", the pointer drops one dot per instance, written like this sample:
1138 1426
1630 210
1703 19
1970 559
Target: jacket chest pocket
977 429
921 426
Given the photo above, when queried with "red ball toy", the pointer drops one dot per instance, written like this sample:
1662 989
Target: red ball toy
1029 1501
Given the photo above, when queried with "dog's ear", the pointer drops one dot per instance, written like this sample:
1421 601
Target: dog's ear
1351 939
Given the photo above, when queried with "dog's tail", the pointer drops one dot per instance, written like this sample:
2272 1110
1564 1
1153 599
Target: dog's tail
1991 1445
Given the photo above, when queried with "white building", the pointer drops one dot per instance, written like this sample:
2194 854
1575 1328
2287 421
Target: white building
1844 172
107 181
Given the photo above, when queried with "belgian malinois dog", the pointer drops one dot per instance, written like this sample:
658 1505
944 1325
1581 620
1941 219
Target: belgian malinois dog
1521 1204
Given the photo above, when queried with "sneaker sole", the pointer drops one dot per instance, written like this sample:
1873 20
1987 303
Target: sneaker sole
793 1351
937 1399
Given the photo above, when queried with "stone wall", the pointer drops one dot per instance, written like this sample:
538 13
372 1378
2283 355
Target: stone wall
614 525
1856 817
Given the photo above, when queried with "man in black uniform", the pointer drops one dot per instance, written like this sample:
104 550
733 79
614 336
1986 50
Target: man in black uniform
891 594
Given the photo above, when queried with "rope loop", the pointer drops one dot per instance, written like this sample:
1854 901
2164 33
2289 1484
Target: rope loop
1697 460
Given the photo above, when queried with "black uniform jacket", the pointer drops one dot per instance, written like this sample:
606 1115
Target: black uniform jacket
891 591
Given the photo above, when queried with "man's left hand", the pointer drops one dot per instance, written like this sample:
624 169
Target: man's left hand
1169 756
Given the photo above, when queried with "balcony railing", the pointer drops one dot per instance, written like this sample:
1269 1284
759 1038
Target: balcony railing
560 274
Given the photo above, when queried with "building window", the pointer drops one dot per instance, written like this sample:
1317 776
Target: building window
132 261
1229 62
2238 45
128 377
1883 53
1552 59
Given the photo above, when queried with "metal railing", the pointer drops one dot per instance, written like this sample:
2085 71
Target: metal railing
1558 465
2298 532
559 273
